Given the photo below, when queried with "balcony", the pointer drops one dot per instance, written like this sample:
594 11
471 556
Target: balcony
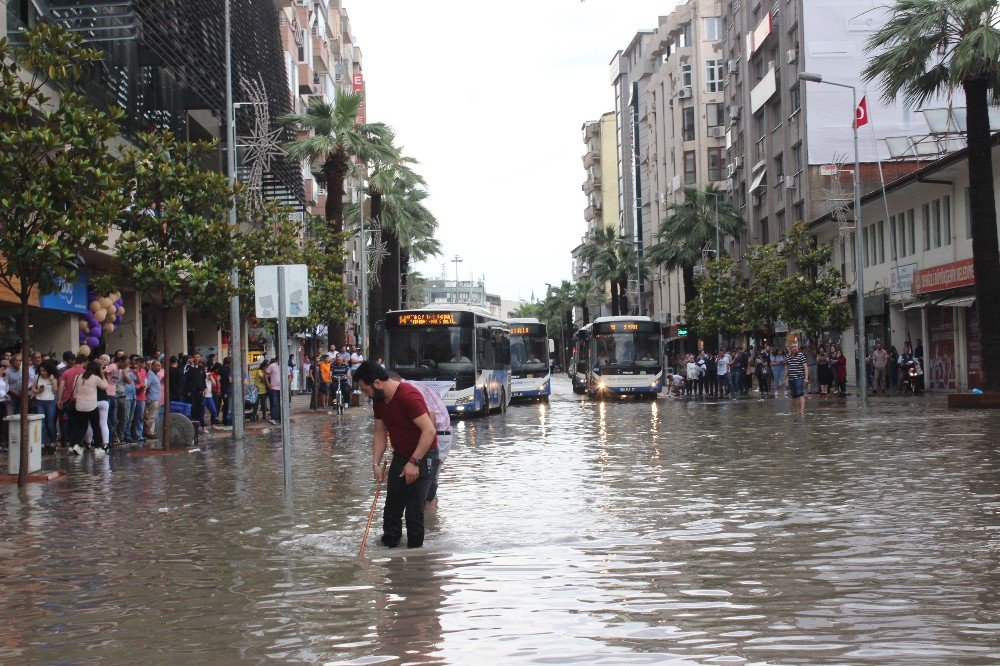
321 53
309 190
591 185
591 213
592 158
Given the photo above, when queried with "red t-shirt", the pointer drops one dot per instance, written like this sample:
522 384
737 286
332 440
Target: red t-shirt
398 414
69 377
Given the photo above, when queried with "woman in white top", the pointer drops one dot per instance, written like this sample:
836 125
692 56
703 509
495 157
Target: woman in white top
85 392
103 407
44 390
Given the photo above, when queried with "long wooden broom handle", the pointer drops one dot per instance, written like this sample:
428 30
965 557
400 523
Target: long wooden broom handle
371 514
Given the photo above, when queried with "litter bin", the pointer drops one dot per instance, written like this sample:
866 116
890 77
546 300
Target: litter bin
34 442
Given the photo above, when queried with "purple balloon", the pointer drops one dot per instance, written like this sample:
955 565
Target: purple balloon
96 331
92 342
118 320
92 321
83 337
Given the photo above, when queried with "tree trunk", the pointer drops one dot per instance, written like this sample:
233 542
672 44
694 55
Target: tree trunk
615 301
376 292
690 291
623 303
985 248
314 371
335 169
586 313
22 470
164 438
404 275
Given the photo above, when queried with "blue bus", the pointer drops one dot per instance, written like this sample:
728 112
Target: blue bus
529 359
462 352
620 356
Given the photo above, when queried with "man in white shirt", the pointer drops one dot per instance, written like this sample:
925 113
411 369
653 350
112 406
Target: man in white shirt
723 372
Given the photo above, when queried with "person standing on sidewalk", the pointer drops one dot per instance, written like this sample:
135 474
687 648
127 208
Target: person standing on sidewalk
798 378
194 388
273 373
403 419
153 391
140 398
880 360
722 362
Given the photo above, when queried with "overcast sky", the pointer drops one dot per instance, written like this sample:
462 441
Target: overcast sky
490 98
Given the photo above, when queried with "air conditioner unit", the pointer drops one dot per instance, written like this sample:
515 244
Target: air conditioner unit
734 112
684 93
738 161
717 132
731 169
789 182
792 55
734 66
770 65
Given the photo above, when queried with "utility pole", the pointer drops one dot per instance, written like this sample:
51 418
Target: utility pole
363 335
456 261
235 402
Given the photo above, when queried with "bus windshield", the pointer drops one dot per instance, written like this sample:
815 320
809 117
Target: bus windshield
529 353
431 351
627 349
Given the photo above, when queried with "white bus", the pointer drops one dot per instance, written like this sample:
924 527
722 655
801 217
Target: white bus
462 352
529 359
622 356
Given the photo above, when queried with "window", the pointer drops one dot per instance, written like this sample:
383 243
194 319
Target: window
713 75
713 28
781 224
854 251
765 237
779 167
759 123
716 114
715 164
881 241
926 210
686 75
800 211
946 217
936 209
893 245
911 223
686 35
690 168
865 245
687 115
968 213
901 234
794 98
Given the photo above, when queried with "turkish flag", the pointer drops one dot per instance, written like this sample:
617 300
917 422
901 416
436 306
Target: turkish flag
861 113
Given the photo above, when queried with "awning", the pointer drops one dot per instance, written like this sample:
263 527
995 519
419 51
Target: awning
915 305
957 302
758 180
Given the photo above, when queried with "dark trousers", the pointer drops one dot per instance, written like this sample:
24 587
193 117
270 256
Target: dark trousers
401 498
736 381
275 407
764 381
197 402
82 420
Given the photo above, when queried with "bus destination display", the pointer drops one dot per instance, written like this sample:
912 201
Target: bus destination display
624 327
524 330
426 319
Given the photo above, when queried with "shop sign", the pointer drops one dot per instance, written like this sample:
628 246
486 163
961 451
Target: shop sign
68 296
901 279
945 276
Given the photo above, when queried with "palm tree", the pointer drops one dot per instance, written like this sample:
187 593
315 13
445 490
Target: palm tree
688 231
557 313
336 139
587 291
610 261
928 47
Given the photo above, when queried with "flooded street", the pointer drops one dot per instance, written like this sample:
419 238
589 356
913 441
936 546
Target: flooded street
667 531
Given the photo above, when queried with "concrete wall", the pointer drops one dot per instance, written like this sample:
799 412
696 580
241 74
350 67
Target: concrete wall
128 335
54 332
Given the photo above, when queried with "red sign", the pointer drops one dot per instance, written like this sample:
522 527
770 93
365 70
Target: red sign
945 276
358 85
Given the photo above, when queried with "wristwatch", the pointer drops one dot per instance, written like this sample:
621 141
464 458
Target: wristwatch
414 461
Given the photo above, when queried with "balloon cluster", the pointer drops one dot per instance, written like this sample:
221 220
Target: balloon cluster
105 315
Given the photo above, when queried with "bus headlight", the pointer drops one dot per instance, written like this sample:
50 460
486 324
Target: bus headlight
467 399
601 386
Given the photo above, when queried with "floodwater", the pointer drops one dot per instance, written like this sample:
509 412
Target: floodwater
650 532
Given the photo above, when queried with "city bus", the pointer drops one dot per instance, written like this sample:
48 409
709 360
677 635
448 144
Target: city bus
623 357
462 352
529 359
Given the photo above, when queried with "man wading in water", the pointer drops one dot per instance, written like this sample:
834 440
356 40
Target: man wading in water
402 414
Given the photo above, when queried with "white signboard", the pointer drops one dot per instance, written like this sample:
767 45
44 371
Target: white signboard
265 280
901 279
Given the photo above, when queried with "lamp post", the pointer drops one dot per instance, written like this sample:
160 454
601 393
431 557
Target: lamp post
235 403
718 255
363 334
858 271
456 261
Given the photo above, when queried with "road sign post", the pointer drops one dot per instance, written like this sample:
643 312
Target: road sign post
282 292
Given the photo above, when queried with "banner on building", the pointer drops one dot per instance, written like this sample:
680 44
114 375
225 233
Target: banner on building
901 279
945 276
940 374
68 296
358 85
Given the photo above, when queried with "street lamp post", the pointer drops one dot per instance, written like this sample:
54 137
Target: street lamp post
235 402
363 334
718 255
858 272
456 261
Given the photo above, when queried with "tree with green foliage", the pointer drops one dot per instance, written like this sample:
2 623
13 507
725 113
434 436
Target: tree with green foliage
930 47
62 188
763 299
811 298
688 232
602 253
176 239
587 292
721 305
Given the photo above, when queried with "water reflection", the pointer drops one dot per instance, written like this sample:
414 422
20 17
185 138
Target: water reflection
575 531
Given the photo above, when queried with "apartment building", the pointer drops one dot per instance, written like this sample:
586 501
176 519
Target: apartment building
321 57
601 184
682 115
